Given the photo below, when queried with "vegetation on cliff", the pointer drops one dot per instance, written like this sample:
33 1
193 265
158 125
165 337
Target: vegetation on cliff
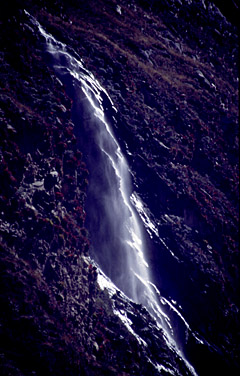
171 69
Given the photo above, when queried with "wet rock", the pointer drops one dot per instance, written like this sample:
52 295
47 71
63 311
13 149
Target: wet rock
181 134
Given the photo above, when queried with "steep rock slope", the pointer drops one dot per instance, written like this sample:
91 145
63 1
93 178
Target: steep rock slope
171 69
55 320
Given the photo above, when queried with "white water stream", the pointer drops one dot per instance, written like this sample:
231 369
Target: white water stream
123 248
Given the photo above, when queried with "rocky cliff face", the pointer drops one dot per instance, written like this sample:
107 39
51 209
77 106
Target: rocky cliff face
171 69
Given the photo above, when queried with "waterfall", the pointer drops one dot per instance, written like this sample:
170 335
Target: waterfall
116 216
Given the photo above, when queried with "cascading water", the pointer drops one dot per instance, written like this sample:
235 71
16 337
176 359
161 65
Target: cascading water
116 215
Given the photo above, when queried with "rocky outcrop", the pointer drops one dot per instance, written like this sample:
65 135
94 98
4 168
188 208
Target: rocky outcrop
171 70
55 319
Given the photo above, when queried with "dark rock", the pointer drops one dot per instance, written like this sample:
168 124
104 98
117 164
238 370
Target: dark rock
171 67
50 181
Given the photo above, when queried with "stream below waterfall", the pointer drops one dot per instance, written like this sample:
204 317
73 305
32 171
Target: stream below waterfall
118 220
